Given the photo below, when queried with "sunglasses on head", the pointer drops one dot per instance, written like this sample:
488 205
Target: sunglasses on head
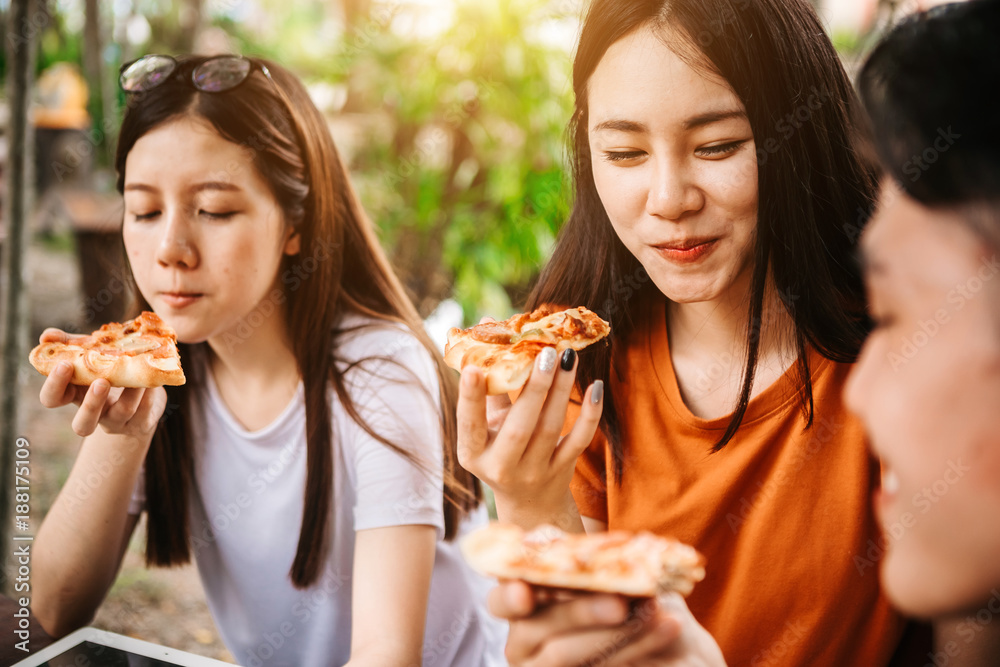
215 75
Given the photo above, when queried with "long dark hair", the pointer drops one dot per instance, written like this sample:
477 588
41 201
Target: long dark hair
814 191
293 150
928 88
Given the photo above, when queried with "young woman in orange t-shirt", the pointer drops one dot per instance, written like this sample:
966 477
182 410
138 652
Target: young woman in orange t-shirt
718 206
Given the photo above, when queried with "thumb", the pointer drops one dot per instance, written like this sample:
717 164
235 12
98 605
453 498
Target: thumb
53 335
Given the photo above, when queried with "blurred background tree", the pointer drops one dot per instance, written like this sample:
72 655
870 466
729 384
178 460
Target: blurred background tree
464 170
450 115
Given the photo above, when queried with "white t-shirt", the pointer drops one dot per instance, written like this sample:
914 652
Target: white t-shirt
246 514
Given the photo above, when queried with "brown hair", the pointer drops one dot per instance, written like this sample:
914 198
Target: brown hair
293 150
814 190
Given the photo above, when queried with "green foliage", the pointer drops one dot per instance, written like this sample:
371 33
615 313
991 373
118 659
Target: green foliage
465 178
459 155
847 42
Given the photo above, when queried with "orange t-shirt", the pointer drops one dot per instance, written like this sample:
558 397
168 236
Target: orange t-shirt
782 514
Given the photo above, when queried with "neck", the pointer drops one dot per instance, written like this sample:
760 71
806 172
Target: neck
719 328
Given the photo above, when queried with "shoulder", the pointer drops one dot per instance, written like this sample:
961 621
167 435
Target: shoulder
358 337
366 348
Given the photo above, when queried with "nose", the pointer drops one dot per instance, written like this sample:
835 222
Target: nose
176 247
672 191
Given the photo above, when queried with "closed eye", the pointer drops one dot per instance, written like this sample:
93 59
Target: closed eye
618 156
721 149
140 217
223 215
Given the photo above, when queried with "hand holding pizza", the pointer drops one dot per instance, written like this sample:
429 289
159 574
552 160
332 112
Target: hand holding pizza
570 628
132 412
517 449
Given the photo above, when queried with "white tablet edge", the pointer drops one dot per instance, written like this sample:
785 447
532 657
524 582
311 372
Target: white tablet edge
113 640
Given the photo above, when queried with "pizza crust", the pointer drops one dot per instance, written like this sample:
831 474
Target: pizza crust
632 564
506 351
140 353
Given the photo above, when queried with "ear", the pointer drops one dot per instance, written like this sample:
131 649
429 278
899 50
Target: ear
293 244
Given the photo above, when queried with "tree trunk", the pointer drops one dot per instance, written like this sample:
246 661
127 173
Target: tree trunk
93 71
191 23
20 43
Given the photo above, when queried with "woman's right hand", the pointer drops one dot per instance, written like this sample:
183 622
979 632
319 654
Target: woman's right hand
128 412
517 450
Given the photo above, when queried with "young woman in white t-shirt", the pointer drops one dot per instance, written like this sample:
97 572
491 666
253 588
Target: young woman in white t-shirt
309 462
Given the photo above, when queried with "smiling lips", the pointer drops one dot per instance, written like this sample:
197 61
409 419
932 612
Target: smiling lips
687 251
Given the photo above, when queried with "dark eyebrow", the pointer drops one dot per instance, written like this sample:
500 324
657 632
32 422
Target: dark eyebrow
620 126
712 117
690 124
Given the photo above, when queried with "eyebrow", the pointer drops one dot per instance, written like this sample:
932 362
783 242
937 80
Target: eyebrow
621 126
691 123
207 185
713 117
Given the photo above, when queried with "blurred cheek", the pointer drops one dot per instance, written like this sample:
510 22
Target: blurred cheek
944 562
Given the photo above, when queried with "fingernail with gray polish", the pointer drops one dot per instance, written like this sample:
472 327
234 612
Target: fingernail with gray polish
547 360
597 392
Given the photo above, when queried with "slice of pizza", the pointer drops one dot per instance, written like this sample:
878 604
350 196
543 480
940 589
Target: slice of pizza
632 564
506 351
140 353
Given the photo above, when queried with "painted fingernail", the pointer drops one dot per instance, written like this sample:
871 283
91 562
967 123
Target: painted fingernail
597 391
568 359
547 360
